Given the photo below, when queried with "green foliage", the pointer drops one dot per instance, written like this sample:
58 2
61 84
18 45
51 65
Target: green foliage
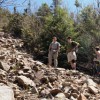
38 29
88 22
44 10
15 25
4 17
77 4
89 33
60 26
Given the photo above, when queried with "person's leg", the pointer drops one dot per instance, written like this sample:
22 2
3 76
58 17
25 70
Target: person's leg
73 64
73 60
50 58
55 59
69 58
98 68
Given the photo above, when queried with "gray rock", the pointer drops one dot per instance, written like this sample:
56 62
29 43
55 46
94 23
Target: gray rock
2 72
74 89
52 78
44 80
20 72
44 99
38 63
72 98
66 89
75 95
17 92
93 90
6 93
61 96
39 75
90 82
4 66
34 90
24 81
45 93
26 69
67 95
66 84
2 57
82 97
54 92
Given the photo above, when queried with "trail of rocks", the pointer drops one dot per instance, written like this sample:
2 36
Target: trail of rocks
22 78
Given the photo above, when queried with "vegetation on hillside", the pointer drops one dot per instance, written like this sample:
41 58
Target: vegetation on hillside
37 29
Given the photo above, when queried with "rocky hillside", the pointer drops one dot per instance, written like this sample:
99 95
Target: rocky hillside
22 78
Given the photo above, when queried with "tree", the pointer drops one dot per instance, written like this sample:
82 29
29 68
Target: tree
15 25
43 10
14 10
60 26
56 4
2 1
42 13
78 5
4 17
89 32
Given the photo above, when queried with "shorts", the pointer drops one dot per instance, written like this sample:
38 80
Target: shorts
71 56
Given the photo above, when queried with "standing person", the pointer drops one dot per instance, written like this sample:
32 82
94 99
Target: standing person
53 52
97 59
72 48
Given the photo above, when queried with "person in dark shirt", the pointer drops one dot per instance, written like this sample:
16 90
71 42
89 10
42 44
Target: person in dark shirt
72 47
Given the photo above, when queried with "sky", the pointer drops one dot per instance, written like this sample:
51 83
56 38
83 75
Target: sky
35 4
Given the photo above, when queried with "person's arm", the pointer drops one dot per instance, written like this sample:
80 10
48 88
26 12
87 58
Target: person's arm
58 48
98 53
50 47
75 45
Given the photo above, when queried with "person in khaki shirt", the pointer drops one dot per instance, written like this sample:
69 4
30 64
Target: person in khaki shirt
53 52
97 59
72 47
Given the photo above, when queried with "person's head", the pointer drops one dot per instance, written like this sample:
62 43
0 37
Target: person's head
69 39
54 39
97 48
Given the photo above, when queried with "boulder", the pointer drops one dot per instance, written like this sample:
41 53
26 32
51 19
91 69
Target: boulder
82 97
6 93
4 66
93 90
38 63
72 98
26 69
2 57
54 92
24 81
67 89
44 99
75 95
61 96
90 82
45 93
39 75
2 72
44 80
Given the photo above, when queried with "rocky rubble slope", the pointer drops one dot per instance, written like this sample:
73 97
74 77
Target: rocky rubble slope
22 78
